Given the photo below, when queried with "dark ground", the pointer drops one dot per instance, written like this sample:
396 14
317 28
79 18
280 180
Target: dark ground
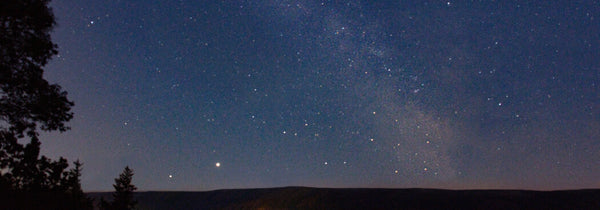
330 198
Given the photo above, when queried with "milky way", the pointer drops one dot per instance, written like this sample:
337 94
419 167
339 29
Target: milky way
245 94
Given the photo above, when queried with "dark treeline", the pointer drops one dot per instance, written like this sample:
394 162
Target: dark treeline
29 105
367 198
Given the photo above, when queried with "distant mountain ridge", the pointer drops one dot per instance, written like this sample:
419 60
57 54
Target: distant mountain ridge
365 198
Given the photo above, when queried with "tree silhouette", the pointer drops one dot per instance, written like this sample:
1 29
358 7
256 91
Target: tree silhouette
27 99
72 185
28 104
123 195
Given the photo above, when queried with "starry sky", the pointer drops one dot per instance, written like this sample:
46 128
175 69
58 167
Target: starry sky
203 95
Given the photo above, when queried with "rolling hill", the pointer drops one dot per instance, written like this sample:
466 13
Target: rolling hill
366 198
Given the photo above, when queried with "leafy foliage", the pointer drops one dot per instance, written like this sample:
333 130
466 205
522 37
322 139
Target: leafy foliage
28 103
26 98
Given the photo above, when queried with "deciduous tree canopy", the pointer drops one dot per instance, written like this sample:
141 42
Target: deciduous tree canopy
27 100
29 103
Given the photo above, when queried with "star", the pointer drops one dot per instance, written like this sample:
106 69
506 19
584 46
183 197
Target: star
329 89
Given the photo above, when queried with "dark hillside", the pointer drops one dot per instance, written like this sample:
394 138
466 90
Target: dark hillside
329 198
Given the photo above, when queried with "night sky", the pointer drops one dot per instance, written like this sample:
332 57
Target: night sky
202 95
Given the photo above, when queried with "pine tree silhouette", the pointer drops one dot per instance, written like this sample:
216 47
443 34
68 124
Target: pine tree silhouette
72 185
123 195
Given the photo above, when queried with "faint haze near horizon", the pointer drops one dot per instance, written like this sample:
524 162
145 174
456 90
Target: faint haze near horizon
202 95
